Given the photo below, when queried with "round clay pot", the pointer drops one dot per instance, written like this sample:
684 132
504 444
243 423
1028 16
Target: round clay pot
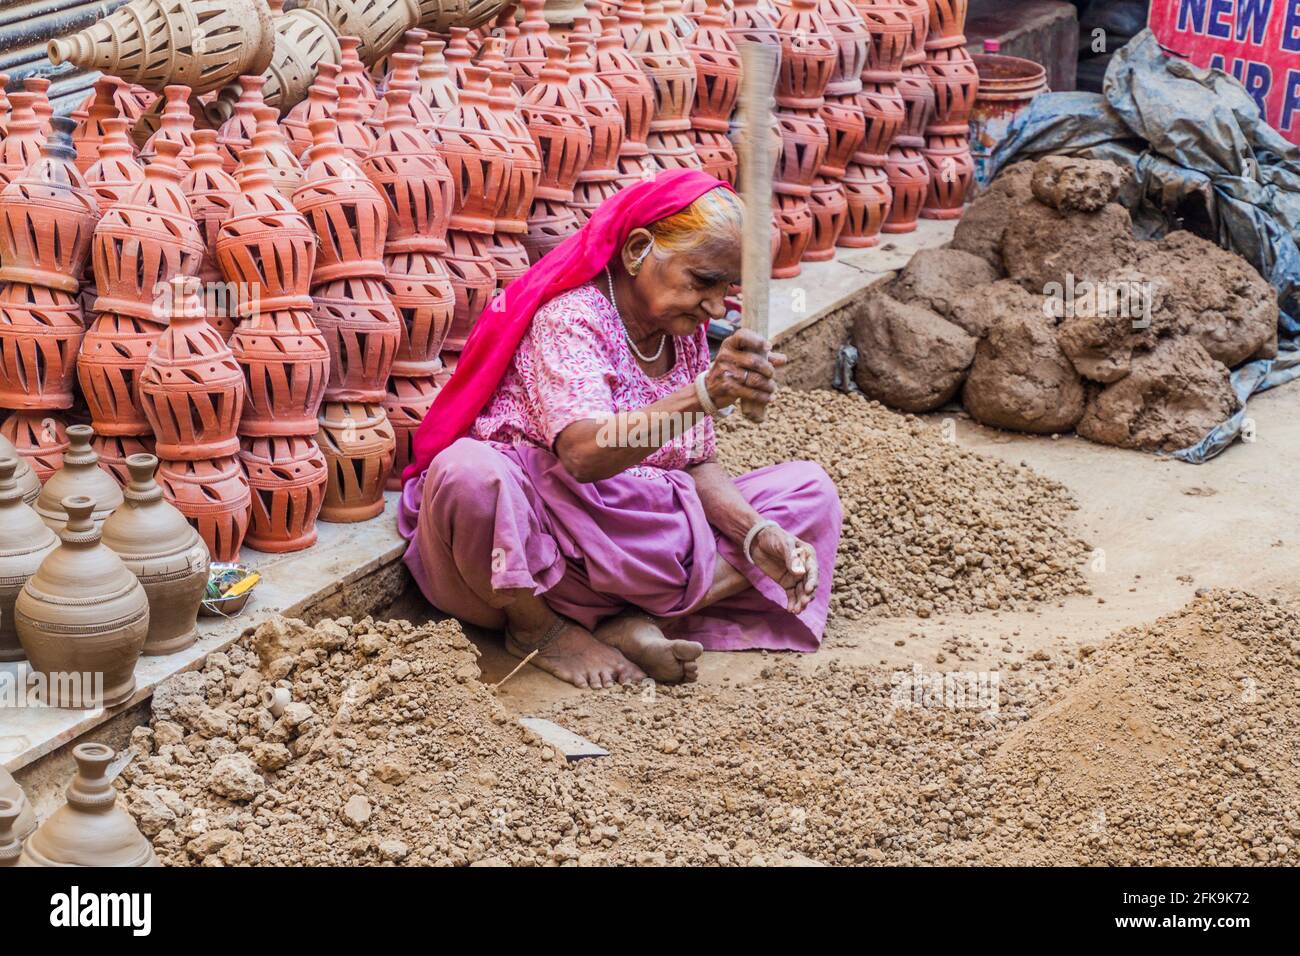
413 180
589 196
359 446
851 41
679 22
809 56
717 155
114 173
83 612
663 58
526 170
889 32
192 389
175 125
918 102
919 12
23 138
90 829
846 128
114 450
362 331
285 170
286 365
344 208
909 180
559 128
717 71
474 145
287 475
830 208
28 483
549 224
236 134
473 280
602 112
459 56
159 547
145 240
322 102
951 173
40 334
527 54
405 79
630 87
883 112
80 474
673 150
437 89
804 142
90 133
407 402
25 540
213 495
947 20
794 221
47 216
867 192
421 291
509 258
955 81
113 354
212 194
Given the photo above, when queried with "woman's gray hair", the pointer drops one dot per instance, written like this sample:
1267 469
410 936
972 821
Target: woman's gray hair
715 219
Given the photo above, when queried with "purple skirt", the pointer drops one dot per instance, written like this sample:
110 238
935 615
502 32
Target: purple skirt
483 519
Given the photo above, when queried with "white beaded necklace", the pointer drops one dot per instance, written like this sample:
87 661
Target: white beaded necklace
639 354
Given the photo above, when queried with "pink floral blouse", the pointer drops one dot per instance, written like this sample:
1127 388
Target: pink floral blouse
574 363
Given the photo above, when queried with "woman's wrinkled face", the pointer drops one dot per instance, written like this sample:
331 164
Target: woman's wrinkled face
678 293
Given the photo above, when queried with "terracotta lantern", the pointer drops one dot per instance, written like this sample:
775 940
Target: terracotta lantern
846 128
475 147
113 354
635 95
286 367
377 27
114 450
25 540
526 169
404 79
952 171
322 102
588 196
212 194
829 207
214 496
717 71
288 475
236 133
883 111
458 55
79 474
176 125
39 437
794 222
919 13
749 21
357 138
362 331
473 279
421 291
809 56
889 30
550 222
851 41
407 402
358 443
437 89
558 125
955 81
662 57
804 141
21 145
909 180
282 164
527 54
89 134
947 23
412 178
868 198
40 334
115 172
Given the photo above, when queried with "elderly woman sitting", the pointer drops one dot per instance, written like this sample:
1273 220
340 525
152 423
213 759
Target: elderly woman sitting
564 486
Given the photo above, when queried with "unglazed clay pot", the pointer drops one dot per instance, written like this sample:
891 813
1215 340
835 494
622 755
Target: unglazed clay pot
83 612
830 208
475 147
39 437
717 71
287 475
604 118
421 292
440 15
867 193
212 194
883 111
23 823
955 81
25 540
589 196
889 29
236 134
663 58
405 79
322 102
11 844
80 474
286 368
851 41
413 180
407 402
159 547
213 494
629 85
352 75
90 829
631 14
113 354
919 12
344 208
846 128
527 54
23 138
145 240
114 173
40 334
362 331
549 223
377 26
24 476
909 180
285 170
795 222
192 389
89 134
509 258
951 173
114 450
473 279
559 128
526 168
947 21
918 103
359 446
717 155
175 125
804 142
437 89
809 55
459 56
47 216
357 138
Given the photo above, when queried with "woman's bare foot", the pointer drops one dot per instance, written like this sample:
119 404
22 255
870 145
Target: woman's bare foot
643 643
575 656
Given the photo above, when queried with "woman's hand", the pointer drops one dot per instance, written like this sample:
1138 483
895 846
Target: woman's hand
790 563
744 369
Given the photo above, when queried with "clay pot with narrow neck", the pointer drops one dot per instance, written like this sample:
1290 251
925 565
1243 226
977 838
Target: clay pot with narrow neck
412 178
357 138
352 72
22 822
917 94
559 127
601 109
404 79
344 208
113 354
955 81
213 494
24 476
287 475
146 239
804 142
846 127
21 145
867 193
90 829
90 132
919 13
527 54
794 222
475 147
407 402
549 223
809 56
322 102
83 612
175 125
40 335
47 216
909 179
25 540
630 14
717 71
11 844
79 475
159 547
664 59
851 41
114 450
236 134
362 331
421 291
629 85
829 207
474 279
286 367
358 443
437 89
282 164
212 193
952 171
526 167
458 55
39 437
115 172
883 112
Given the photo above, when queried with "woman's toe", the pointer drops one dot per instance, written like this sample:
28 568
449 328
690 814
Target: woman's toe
687 650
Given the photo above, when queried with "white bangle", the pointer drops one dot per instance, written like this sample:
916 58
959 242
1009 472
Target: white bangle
706 401
759 526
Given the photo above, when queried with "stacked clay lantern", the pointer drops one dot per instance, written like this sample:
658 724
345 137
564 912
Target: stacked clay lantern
405 77
955 82
354 311
527 54
509 257
236 133
635 95
115 172
175 124
599 177
21 144
278 155
211 192
437 90
90 132
322 102
559 127
717 88
663 58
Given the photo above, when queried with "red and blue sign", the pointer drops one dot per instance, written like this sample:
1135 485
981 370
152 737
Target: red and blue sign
1257 41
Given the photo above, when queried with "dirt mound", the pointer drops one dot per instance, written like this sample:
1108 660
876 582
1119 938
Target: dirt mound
928 527
935 278
1082 185
1117 318
1045 249
980 229
909 357
979 309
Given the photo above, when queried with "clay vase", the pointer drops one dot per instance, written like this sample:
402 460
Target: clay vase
717 155
559 128
473 279
404 79
345 210
39 86
883 112
794 222
629 85
526 168
357 138
717 71
115 173
753 22
362 331
159 547
176 125
90 829
377 26
407 402
630 15
851 41
287 475
604 118
846 128
47 216
113 354
23 138
590 196
286 365
947 21
192 389
889 31
407 170
352 75
28 483
322 102
868 197
79 474
527 54
955 81
664 59
156 42
549 223
236 134
683 26
804 142
909 180
39 437
213 494
952 170
212 193
40 335
475 147
437 89
358 443
25 540
132 102
458 55
421 291
809 55
918 103
146 239
919 12
266 245
829 206
114 450
509 258
440 15
83 612
281 163
23 822
89 134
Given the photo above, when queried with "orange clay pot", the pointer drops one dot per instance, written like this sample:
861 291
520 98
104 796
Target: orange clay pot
357 138
889 31
549 224
809 56
588 196
558 125
40 335
883 112
286 172
604 117
437 89
353 74
473 280
630 87
909 180
23 139
407 402
526 168
286 367
918 101
322 102
115 172
405 79
362 331
477 151
955 81
413 180
951 173
830 208
113 354
851 41
804 142
114 450
795 223
509 258
359 446
845 130
527 54
421 291
867 193
236 134
717 70
213 495
89 134
287 477
40 437
176 125
212 194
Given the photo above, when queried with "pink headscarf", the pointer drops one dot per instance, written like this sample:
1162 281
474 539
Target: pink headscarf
501 327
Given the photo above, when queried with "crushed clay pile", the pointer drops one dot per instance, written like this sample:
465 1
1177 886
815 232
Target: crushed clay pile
1048 315
1173 744
928 527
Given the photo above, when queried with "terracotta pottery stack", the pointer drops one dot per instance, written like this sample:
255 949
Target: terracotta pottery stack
47 217
90 133
635 95
353 310
717 88
506 249
955 81
663 58
599 177
25 540
527 54
416 184
212 192
322 102
267 248
23 138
